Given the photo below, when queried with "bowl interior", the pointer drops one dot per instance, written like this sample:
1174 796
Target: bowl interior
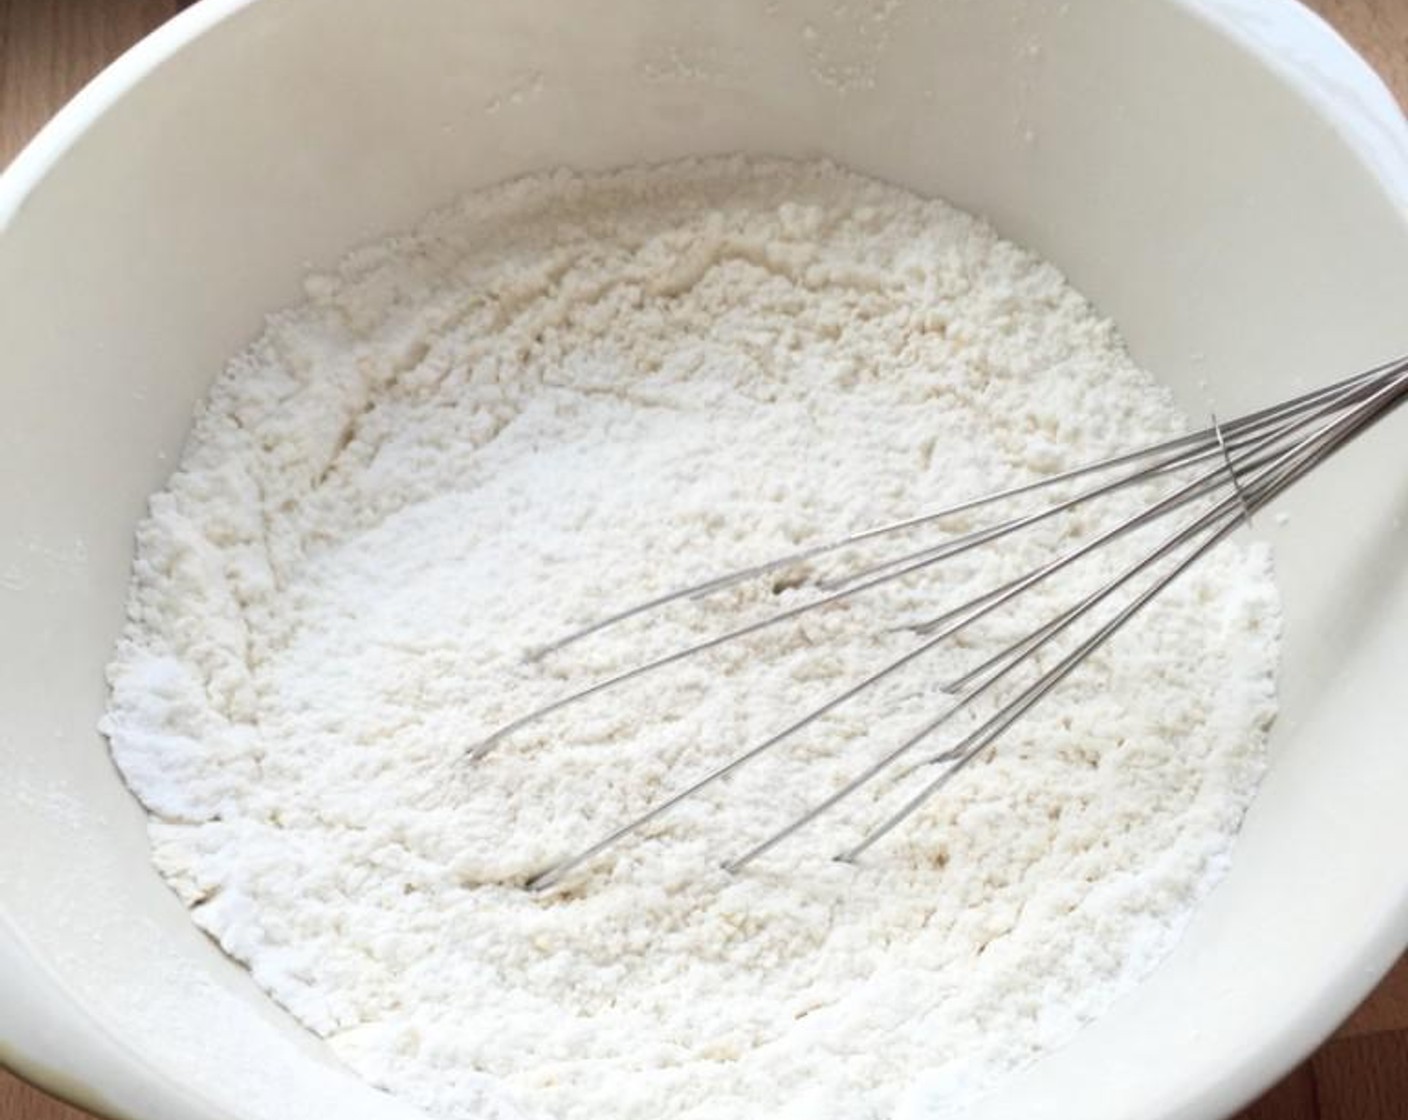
1250 242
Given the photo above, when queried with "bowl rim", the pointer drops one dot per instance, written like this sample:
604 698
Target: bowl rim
1299 48
60 132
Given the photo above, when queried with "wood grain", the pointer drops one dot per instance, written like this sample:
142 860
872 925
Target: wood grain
50 48
1377 29
1363 1078
1296 1098
19 1102
1385 1010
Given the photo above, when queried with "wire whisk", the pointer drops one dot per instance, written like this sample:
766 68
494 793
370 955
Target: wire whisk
1219 476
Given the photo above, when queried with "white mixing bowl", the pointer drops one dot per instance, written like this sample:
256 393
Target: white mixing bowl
1224 177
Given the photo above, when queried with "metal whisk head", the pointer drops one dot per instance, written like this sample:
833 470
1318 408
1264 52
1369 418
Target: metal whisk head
1218 477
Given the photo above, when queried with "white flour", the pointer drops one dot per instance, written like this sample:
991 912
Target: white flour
561 397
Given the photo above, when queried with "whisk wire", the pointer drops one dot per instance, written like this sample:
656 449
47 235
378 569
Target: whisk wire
1248 461
1271 478
740 575
979 740
1005 662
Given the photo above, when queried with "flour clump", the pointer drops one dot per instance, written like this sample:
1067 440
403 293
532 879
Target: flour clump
571 393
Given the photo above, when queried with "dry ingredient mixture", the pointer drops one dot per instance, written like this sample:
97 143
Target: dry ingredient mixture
560 397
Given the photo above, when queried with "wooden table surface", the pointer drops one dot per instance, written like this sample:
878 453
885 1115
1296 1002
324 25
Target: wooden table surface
49 48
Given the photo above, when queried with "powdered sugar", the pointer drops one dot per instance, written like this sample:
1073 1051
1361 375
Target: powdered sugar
561 397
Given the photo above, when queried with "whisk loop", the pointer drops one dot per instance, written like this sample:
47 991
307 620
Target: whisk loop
1236 468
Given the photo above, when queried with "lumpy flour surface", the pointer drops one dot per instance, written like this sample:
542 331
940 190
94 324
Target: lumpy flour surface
564 396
